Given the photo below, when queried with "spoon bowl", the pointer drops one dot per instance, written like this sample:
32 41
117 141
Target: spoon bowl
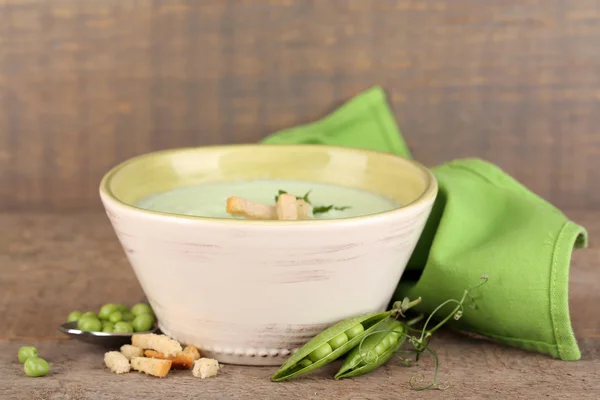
103 339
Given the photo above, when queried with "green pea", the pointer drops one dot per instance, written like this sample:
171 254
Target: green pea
122 307
393 337
107 326
375 350
381 347
141 308
143 323
26 352
387 342
116 316
128 316
338 341
35 366
89 314
355 331
320 352
123 327
74 316
89 324
305 363
106 310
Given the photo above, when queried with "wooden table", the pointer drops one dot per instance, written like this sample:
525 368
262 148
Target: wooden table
51 264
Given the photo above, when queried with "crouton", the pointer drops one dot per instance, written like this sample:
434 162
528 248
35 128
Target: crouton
205 368
245 208
184 360
130 351
304 209
287 207
160 343
151 366
117 362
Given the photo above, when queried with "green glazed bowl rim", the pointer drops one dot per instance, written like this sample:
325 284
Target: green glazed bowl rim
428 195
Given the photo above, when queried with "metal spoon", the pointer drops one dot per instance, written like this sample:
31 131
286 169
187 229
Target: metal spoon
104 339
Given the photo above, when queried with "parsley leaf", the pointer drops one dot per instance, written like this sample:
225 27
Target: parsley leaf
324 209
305 197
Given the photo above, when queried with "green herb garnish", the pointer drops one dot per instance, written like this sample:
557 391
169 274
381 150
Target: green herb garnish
324 209
316 209
305 197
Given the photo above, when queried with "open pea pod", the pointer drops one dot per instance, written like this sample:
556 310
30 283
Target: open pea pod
329 345
375 350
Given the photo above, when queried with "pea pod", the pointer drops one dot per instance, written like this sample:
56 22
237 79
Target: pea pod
375 350
330 344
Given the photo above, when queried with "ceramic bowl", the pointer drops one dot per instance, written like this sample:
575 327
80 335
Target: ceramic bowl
252 292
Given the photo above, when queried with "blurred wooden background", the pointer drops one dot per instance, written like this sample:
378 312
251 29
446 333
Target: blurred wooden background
85 84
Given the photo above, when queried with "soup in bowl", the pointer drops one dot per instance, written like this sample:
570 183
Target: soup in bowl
248 251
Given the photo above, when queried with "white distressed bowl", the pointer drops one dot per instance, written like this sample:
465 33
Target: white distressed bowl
252 292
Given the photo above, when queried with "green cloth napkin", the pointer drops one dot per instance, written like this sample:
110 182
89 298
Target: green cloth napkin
483 222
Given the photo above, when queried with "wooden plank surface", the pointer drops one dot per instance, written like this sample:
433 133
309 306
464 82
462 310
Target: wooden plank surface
86 84
474 370
52 264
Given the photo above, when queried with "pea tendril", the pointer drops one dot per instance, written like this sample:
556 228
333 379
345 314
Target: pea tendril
420 377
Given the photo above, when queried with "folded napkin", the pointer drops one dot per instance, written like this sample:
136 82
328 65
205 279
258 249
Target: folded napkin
483 222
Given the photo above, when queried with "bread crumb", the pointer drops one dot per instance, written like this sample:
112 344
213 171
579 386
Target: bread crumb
205 368
192 351
184 360
117 362
151 366
248 209
287 207
304 210
130 351
160 343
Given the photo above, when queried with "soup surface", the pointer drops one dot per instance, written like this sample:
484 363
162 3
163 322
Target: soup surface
209 199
